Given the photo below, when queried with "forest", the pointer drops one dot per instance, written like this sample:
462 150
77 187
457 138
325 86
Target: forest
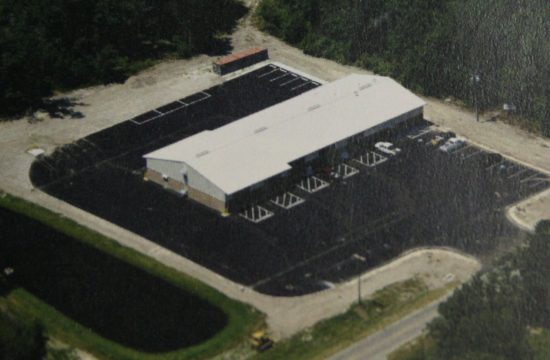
494 51
48 46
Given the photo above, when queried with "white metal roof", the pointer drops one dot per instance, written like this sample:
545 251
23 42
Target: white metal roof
259 146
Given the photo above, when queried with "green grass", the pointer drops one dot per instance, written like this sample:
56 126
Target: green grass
539 339
330 336
418 349
242 319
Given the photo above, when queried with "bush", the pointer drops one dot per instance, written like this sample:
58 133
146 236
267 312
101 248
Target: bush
20 339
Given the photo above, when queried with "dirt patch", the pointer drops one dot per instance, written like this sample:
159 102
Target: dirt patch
526 214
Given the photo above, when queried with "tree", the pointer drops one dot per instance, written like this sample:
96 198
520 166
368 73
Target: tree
20 339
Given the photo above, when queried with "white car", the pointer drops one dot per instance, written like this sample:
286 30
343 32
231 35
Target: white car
387 148
452 144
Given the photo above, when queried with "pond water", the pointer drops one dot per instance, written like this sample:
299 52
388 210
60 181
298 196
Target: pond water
114 299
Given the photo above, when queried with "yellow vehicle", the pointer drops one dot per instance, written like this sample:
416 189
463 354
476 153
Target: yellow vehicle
260 341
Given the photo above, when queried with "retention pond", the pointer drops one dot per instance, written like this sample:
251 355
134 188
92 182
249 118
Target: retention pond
114 299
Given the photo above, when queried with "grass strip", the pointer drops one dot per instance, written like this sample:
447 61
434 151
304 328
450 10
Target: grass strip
361 320
242 319
421 348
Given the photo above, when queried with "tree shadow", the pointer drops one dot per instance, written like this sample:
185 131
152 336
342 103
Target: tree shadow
220 47
61 108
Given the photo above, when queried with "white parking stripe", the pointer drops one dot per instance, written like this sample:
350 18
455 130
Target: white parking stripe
267 73
299 86
278 77
289 81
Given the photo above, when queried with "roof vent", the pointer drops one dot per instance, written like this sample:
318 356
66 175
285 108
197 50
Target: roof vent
259 130
316 106
202 153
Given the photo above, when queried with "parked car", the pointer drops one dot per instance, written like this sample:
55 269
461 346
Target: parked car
387 148
452 144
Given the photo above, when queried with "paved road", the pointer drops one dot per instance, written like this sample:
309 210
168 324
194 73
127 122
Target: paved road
380 344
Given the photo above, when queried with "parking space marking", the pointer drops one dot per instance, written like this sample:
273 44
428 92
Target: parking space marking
146 121
346 171
477 152
279 77
532 177
290 81
536 183
183 104
312 184
371 159
256 214
287 200
267 73
517 173
141 122
418 133
206 96
91 144
461 149
160 114
299 86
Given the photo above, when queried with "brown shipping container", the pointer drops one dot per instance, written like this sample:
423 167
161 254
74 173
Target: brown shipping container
240 60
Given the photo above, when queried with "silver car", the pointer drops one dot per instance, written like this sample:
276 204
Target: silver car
452 144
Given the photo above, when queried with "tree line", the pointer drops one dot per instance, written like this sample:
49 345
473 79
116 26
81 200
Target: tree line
62 44
436 47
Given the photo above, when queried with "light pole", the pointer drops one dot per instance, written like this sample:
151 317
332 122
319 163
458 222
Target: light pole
359 289
475 79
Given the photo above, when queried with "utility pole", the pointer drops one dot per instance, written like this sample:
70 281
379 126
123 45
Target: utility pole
475 81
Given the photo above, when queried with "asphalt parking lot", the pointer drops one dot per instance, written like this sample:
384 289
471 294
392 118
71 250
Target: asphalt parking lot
379 205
